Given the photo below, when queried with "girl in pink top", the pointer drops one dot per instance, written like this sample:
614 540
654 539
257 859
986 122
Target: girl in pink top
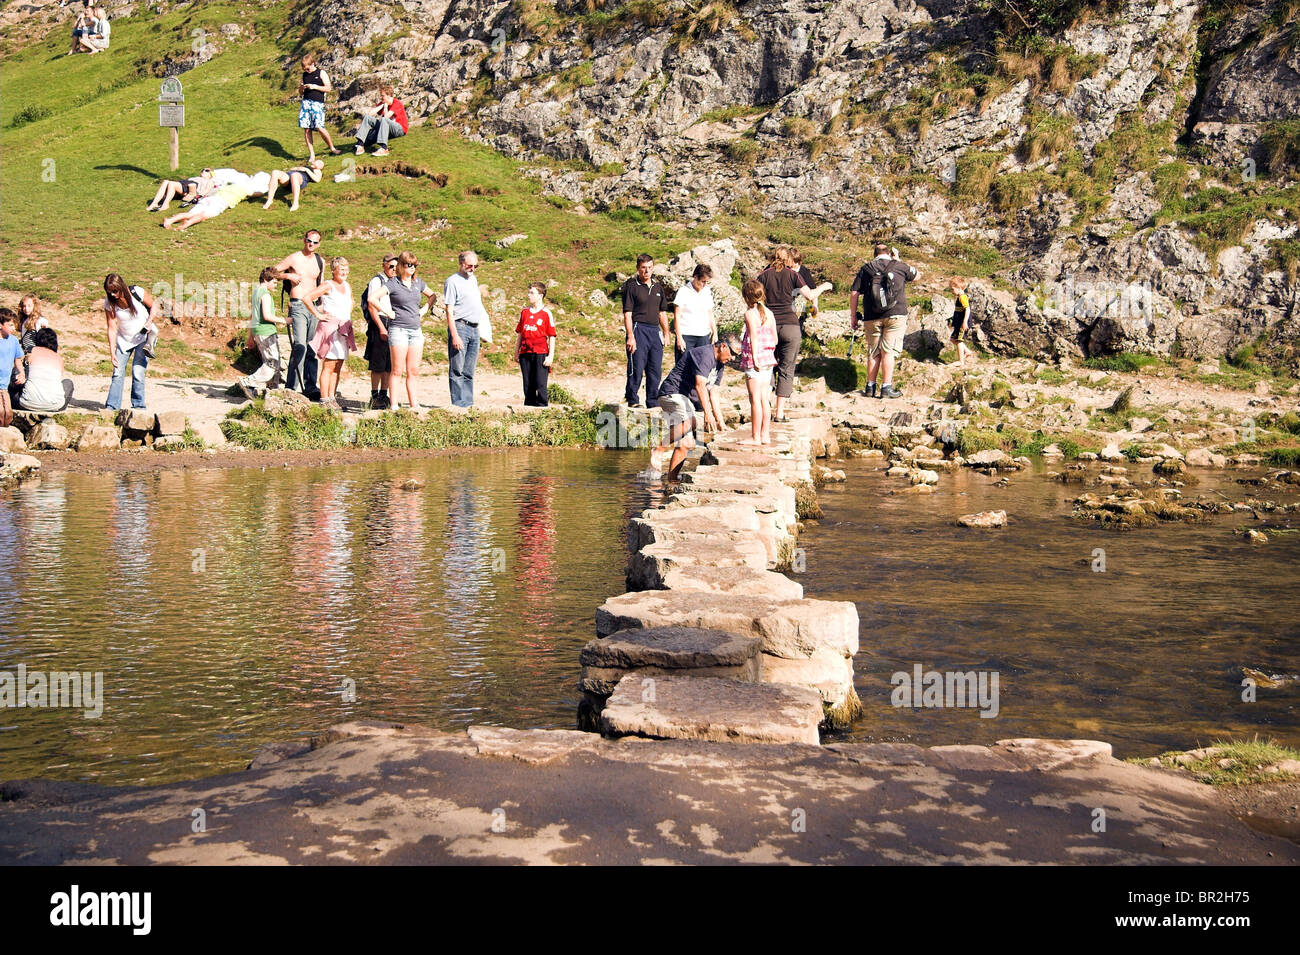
757 359
334 339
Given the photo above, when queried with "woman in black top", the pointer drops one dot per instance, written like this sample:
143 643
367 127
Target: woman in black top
781 283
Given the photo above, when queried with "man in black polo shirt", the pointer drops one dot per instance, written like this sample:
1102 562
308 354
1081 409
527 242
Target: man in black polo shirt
695 371
645 319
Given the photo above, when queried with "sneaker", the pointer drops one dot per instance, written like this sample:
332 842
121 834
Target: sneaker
360 150
381 151
870 390
249 393
889 391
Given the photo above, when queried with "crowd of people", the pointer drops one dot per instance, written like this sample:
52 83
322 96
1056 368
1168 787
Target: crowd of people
395 302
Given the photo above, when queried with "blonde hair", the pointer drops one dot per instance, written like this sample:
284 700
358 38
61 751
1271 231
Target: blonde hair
337 263
957 283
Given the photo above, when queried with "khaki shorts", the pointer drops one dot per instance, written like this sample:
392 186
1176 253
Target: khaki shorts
677 410
886 334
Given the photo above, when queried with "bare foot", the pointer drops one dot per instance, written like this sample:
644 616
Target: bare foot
294 207
267 204
750 441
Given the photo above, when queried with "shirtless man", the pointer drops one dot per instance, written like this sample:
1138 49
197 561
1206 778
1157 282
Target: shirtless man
304 271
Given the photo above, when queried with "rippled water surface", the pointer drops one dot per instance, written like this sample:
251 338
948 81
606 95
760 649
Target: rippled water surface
1146 654
230 608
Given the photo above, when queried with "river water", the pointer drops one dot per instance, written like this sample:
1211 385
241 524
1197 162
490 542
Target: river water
231 608
1145 654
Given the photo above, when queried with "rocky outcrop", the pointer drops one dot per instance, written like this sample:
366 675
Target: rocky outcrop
867 114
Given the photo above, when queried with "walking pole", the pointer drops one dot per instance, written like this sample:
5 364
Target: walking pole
853 339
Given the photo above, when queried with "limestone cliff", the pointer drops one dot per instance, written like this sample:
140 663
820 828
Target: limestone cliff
1140 152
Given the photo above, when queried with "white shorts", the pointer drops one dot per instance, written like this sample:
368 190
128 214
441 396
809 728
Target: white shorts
258 183
762 375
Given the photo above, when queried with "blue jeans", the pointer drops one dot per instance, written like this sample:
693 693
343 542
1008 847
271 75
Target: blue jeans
460 365
138 362
647 360
375 130
302 360
692 341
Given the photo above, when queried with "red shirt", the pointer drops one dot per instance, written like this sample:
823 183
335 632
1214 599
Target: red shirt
533 330
399 114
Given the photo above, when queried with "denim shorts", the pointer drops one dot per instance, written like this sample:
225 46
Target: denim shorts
405 337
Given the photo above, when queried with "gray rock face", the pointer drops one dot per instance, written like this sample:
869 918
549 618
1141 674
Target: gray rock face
712 709
667 651
697 110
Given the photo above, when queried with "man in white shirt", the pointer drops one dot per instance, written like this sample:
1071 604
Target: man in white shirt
693 320
465 312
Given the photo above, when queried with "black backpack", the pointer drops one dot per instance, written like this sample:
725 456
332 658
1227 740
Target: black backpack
365 298
886 287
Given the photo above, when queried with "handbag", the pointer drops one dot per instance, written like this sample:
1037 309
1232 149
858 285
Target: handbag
485 329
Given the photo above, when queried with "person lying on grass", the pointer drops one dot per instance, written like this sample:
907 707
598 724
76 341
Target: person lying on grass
189 191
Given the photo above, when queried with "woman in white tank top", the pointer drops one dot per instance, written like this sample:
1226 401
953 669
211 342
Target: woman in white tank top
128 312
334 338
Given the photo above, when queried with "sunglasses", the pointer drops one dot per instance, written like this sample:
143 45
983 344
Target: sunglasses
313 241
470 268
413 265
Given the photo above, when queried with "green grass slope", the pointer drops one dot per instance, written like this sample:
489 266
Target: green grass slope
82 154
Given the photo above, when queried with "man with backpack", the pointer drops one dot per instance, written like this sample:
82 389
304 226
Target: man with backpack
882 283
302 272
377 308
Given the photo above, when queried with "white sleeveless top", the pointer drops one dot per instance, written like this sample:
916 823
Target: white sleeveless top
130 324
336 304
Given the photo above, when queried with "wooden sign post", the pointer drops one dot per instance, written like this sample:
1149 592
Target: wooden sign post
171 114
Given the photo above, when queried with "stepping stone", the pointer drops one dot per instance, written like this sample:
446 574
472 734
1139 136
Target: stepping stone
651 567
793 629
735 581
668 651
764 498
704 708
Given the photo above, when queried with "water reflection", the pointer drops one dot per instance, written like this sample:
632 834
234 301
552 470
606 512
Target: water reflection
227 608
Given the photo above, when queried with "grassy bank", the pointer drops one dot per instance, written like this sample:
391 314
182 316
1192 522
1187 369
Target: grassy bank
319 429
1228 763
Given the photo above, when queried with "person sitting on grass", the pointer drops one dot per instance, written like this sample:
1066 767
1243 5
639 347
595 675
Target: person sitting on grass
535 346
189 191
81 26
95 39
45 389
692 372
388 121
297 179
211 207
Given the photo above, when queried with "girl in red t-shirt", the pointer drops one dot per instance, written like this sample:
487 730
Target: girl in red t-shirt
535 346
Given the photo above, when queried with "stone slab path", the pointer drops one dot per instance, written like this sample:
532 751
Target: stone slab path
413 796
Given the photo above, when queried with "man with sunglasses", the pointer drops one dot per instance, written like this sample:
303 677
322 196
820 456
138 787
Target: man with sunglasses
302 272
464 313
378 310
